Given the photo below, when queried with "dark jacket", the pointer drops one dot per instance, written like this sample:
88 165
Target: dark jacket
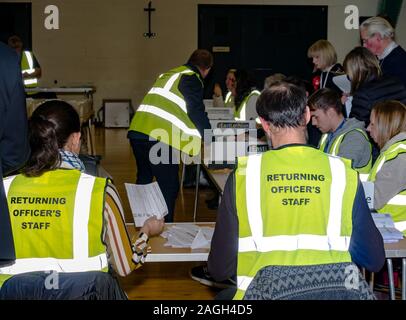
14 149
395 64
326 78
368 94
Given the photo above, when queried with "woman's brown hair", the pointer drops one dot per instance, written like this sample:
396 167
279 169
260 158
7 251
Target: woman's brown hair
390 120
361 66
50 126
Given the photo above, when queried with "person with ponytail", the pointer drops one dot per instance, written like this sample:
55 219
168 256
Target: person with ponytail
388 129
65 220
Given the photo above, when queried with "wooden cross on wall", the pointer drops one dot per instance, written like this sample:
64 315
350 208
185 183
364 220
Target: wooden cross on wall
149 34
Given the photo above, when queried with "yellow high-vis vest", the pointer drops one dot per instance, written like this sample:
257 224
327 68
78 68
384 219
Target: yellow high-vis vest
396 206
27 66
163 116
290 215
334 148
240 112
57 222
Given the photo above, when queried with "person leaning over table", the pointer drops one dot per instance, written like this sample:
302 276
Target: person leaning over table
388 129
63 219
171 119
331 224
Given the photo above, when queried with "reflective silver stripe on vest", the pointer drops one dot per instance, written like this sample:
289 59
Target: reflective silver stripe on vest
30 81
30 69
81 261
228 97
83 200
398 200
331 241
61 265
169 117
401 146
363 176
170 96
323 139
7 183
243 282
336 144
173 78
30 61
401 226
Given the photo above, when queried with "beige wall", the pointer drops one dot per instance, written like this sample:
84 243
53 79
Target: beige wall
101 42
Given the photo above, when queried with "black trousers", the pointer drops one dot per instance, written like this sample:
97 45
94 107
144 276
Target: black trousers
148 155
40 285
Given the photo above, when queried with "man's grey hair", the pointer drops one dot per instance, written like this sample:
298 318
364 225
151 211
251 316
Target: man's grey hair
378 25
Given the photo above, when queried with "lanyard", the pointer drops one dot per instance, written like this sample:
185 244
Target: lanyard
323 85
331 134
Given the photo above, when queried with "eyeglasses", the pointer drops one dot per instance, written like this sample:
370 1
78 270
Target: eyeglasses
365 40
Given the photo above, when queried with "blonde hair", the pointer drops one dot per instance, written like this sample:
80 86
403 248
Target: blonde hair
269 81
361 66
326 52
378 25
390 120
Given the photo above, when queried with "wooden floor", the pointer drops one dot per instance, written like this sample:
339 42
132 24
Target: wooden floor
154 281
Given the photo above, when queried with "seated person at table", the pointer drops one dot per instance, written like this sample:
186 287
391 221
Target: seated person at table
341 137
246 96
218 93
388 129
262 221
63 219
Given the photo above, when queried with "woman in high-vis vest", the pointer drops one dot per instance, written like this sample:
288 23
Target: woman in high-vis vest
245 98
228 101
388 129
290 206
63 219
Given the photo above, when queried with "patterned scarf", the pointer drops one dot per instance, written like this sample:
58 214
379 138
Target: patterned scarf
70 160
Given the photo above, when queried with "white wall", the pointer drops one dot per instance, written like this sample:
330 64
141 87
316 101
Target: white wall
101 42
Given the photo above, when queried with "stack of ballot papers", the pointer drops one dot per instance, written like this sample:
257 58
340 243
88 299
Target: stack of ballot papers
188 236
146 200
386 227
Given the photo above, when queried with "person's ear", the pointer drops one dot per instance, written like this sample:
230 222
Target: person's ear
76 137
307 115
265 124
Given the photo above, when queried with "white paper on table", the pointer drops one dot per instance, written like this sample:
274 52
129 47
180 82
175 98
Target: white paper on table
200 241
146 200
188 236
386 227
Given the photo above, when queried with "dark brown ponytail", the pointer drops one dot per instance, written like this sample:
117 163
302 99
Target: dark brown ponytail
50 126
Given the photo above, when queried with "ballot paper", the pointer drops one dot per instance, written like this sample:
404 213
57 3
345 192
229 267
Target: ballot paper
386 227
188 236
343 83
146 200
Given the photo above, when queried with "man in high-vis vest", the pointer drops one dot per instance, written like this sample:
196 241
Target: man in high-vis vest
171 121
30 68
341 137
290 206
